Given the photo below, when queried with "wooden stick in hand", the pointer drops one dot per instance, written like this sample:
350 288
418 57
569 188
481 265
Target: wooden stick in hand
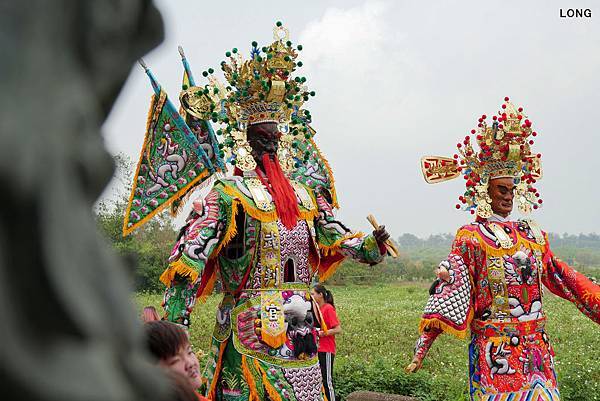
389 244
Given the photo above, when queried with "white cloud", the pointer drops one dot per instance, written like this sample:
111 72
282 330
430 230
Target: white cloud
399 79
345 38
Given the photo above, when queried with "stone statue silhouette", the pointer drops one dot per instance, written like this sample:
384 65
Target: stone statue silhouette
68 330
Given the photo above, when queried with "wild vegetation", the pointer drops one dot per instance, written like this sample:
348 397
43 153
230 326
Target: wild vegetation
379 330
379 307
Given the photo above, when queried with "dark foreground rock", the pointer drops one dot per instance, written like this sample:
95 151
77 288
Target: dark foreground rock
68 329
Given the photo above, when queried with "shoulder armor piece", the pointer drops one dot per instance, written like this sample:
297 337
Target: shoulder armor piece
536 231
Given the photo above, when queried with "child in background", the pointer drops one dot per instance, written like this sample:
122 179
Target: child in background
149 314
169 344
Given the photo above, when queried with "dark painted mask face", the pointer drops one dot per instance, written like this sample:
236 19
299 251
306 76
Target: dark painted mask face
263 138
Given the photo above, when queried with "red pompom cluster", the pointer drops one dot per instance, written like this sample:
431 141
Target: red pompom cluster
497 142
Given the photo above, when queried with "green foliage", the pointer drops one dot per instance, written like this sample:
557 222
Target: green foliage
419 257
383 377
379 326
148 247
405 268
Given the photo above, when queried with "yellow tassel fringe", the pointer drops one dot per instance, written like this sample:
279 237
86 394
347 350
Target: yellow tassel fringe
250 380
498 252
181 268
332 269
331 249
213 385
273 394
248 208
210 285
274 341
261 215
231 230
446 328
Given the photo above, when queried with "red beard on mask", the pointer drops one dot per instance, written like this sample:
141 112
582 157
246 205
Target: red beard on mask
281 190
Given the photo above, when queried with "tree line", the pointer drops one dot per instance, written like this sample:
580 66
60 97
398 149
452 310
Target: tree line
148 248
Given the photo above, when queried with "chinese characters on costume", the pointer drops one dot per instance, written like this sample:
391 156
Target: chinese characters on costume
497 268
265 232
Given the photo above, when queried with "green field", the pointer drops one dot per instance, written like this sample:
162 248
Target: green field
380 328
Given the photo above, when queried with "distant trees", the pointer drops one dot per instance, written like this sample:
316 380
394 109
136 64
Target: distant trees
581 251
590 241
147 248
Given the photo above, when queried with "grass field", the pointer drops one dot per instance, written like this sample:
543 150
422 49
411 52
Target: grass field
380 328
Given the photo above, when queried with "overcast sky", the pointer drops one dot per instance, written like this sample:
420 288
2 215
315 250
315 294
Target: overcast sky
396 80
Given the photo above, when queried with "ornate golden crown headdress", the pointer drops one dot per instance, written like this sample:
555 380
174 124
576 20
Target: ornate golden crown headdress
505 151
260 89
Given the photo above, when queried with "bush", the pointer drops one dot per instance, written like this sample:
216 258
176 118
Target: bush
382 377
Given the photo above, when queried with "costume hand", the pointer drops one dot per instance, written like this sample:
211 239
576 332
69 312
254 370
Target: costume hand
414 365
442 273
381 235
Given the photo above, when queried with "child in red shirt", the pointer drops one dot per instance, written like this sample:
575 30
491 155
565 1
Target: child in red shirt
330 326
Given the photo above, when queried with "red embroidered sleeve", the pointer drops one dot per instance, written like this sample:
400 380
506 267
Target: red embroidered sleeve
424 342
450 305
571 285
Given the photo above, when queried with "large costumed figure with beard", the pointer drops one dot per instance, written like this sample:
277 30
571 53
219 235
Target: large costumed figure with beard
265 231
491 284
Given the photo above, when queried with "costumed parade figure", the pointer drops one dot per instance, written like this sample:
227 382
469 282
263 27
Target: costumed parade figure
491 283
265 232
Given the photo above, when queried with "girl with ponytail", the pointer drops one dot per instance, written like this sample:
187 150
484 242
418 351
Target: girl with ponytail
330 326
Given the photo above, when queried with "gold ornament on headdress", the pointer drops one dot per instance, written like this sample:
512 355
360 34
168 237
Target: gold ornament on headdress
258 90
505 151
285 153
200 102
243 152
261 90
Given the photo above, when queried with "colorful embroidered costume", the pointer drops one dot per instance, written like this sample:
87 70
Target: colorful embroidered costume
497 269
264 340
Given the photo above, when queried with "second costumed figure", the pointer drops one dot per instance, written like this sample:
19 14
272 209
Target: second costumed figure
492 282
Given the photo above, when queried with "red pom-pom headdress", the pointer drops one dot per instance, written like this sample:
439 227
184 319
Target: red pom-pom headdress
504 151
